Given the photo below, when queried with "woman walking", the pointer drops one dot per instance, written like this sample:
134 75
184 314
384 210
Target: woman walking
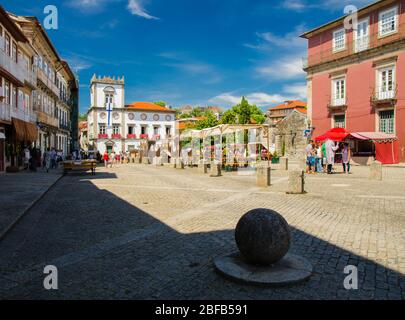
346 157
105 158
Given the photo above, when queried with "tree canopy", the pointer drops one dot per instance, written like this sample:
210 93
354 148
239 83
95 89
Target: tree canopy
209 120
243 113
160 103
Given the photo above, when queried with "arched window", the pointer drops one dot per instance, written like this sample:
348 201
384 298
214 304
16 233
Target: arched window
109 93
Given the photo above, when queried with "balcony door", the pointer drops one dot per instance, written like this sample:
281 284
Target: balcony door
361 36
386 83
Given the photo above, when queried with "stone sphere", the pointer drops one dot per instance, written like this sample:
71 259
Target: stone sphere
263 237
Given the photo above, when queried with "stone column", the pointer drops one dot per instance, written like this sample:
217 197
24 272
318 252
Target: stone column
173 163
203 167
179 163
284 163
296 182
216 169
157 161
376 171
263 176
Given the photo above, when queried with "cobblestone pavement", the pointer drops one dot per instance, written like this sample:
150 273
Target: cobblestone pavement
18 191
142 232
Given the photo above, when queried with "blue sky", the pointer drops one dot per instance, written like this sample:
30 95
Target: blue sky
197 52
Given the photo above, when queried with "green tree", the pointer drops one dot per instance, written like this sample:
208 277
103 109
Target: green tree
161 103
82 117
243 113
209 120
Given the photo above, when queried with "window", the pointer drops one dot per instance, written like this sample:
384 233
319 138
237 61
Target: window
116 129
102 128
109 98
387 121
388 22
168 130
14 57
340 121
386 83
7 44
131 130
155 130
7 91
15 97
339 40
361 36
339 92
143 130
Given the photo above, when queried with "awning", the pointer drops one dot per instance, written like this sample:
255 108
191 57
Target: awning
336 134
25 131
380 137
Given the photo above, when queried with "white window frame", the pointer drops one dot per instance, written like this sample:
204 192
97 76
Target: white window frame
334 121
338 99
386 94
380 22
335 49
365 43
102 128
379 120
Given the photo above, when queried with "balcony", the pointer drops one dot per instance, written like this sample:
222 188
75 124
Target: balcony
5 114
103 136
8 64
48 82
131 136
354 46
384 95
116 136
66 127
22 114
144 136
337 104
156 137
47 119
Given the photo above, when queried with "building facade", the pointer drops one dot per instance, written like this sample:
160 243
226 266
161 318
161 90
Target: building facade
112 125
54 99
17 84
278 113
356 76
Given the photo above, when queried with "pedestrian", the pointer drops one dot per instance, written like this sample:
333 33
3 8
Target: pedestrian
112 159
319 158
331 148
346 157
53 158
47 160
27 157
105 158
309 152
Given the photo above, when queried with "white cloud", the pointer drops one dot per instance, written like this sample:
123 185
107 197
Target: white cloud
136 8
89 6
300 5
260 99
296 90
282 69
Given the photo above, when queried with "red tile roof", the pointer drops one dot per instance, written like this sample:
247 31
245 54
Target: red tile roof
294 104
148 106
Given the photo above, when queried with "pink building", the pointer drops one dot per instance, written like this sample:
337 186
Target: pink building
356 76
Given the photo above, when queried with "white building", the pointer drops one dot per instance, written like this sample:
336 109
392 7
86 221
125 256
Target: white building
112 125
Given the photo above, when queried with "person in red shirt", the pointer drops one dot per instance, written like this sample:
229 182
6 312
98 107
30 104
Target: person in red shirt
105 158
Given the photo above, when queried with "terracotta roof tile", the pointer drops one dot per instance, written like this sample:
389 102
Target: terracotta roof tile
148 106
290 105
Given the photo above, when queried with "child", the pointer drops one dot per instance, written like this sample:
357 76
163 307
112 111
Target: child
346 157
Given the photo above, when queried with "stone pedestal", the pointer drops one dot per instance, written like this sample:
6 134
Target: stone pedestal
137 160
157 161
203 167
215 170
263 176
165 157
283 163
376 171
179 163
296 182
145 160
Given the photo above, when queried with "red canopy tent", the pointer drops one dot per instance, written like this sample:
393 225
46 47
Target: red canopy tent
386 145
335 134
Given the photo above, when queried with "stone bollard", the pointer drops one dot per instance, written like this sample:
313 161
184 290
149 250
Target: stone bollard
157 161
263 176
203 167
173 163
296 182
179 163
145 160
283 163
215 170
138 160
376 171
